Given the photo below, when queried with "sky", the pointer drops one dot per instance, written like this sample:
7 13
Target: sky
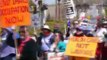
49 1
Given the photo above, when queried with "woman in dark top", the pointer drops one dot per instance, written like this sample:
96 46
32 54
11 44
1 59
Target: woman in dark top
79 32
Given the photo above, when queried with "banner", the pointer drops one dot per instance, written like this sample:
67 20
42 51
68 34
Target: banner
56 56
82 47
14 13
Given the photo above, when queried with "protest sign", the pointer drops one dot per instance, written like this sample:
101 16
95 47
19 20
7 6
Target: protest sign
36 23
14 13
70 10
55 56
82 47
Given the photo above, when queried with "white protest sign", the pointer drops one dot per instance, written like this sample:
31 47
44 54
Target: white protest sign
56 56
71 10
36 20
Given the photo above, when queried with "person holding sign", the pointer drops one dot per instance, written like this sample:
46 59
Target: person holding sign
6 52
100 33
45 40
27 47
79 33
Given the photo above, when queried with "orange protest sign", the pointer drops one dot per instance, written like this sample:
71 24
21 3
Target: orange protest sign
82 47
14 13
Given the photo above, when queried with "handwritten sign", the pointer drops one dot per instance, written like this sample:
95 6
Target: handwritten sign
14 13
79 58
82 47
55 56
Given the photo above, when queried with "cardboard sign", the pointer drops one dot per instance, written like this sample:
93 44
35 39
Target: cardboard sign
70 10
82 47
78 58
55 56
14 13
36 22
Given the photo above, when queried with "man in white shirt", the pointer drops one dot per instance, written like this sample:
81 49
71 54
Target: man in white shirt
100 33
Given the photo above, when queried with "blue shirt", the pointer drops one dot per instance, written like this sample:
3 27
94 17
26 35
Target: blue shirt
61 46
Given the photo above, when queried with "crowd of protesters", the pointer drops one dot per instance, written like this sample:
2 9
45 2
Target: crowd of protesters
26 47
47 41
100 31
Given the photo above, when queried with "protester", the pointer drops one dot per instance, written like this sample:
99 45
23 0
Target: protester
100 33
61 45
73 29
27 47
104 38
6 52
79 33
30 50
45 40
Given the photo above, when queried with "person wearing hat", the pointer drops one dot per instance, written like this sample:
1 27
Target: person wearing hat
46 39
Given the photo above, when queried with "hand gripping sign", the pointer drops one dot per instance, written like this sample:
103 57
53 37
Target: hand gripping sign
14 13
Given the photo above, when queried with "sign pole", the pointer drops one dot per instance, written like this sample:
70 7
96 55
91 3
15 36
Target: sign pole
16 44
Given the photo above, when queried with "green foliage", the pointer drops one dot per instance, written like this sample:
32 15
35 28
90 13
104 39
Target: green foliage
51 24
61 23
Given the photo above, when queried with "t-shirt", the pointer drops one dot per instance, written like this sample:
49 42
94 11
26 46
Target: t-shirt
101 34
61 46
46 42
